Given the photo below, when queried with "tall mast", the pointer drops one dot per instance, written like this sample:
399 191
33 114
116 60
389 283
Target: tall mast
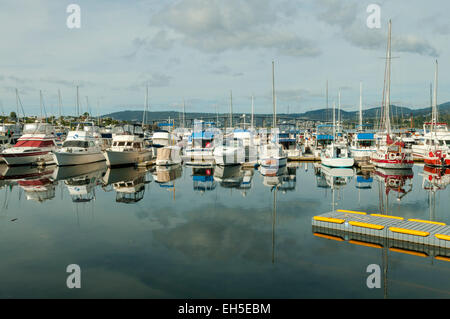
59 103
326 114
334 122
146 107
87 106
17 105
360 105
253 111
339 110
273 96
40 99
388 82
184 114
435 110
231 108
78 103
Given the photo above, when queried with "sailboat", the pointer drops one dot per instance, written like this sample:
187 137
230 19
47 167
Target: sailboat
272 153
336 154
436 154
390 153
363 143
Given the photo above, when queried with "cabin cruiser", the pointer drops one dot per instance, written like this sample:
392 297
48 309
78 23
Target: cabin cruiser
336 155
272 155
35 145
289 143
362 146
80 147
200 152
128 148
251 142
230 152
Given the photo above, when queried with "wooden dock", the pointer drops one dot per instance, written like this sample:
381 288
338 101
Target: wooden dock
304 158
417 231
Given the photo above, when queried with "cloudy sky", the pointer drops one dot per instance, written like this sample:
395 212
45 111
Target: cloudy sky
199 50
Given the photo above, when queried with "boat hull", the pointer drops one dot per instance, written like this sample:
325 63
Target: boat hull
338 162
273 162
28 158
114 158
69 159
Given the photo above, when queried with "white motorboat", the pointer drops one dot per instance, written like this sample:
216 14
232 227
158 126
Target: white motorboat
128 148
231 152
35 145
80 147
272 155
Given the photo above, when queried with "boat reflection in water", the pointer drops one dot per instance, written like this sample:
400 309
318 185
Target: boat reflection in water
396 180
203 179
128 182
229 176
81 180
435 178
36 182
336 179
165 176
289 180
273 176
246 183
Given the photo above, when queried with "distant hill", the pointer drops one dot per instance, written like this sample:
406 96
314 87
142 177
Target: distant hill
320 115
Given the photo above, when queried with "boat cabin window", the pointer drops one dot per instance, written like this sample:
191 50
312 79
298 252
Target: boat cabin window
120 143
136 145
82 144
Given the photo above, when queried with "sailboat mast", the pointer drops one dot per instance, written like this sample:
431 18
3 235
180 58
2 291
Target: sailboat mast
78 102
339 109
146 107
388 82
184 114
435 111
17 106
334 122
59 103
231 108
273 96
253 110
326 116
360 105
40 99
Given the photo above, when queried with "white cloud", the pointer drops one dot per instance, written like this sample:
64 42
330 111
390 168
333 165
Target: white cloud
215 26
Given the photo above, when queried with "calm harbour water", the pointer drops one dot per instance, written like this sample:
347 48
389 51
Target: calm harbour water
208 233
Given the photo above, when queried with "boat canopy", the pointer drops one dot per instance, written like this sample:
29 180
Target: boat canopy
365 136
